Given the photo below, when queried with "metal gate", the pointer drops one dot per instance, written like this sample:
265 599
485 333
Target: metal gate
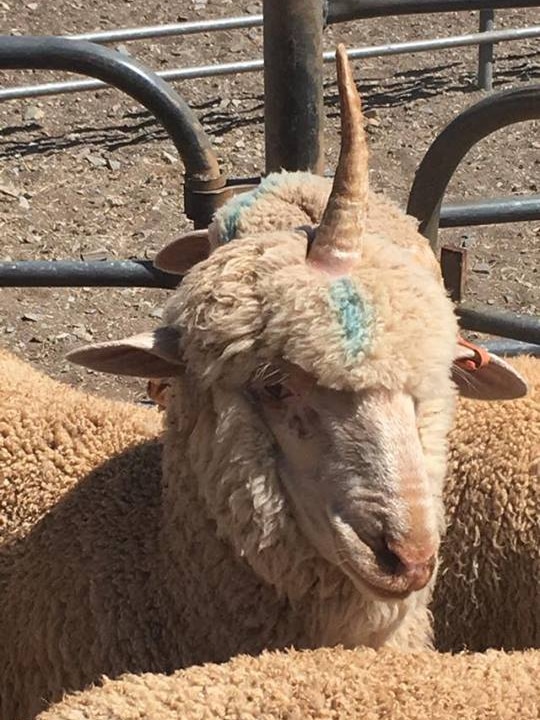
293 136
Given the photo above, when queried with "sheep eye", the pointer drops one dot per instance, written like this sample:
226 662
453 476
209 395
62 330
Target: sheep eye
277 391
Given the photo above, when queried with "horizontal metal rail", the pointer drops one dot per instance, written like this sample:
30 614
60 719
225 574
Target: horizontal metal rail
245 66
490 212
342 10
78 273
500 322
170 30
510 348
141 273
336 11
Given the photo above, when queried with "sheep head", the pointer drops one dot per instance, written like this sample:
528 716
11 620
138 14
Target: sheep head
324 371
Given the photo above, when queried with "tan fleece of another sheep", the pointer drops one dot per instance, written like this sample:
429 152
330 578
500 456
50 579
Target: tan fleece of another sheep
488 587
79 488
52 436
325 684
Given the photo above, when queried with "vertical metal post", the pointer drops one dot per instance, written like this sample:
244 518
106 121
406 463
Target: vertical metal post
485 52
293 84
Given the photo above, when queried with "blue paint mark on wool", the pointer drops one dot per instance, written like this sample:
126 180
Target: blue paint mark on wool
354 315
240 204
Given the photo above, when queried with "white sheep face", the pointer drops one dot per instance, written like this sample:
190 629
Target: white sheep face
353 467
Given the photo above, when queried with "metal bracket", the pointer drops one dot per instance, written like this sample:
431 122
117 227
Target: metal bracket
202 200
454 270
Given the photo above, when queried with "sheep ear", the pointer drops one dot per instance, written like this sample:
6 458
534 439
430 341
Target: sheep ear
153 354
482 376
183 253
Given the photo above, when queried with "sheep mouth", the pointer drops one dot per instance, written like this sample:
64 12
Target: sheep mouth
381 587
375 570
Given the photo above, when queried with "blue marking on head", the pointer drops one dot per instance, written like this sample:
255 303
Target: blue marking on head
354 315
237 206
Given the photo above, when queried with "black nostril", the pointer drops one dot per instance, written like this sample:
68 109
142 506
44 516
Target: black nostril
388 560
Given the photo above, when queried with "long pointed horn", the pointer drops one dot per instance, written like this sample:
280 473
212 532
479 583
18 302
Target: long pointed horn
338 241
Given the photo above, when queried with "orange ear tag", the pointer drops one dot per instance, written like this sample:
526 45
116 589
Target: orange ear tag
479 360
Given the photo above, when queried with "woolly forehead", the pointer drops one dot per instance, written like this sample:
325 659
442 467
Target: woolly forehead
258 300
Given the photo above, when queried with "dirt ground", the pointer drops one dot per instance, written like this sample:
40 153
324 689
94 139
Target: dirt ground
93 173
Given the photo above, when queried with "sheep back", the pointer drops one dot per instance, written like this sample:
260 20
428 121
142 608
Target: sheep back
325 683
52 436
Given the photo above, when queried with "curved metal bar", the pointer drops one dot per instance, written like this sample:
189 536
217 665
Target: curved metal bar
455 141
438 167
133 78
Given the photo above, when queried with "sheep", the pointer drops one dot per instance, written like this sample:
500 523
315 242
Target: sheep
488 591
52 437
324 683
304 451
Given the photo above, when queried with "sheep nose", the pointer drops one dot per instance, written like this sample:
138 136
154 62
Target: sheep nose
414 563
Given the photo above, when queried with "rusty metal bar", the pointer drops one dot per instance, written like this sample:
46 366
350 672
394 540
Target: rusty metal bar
454 142
454 269
293 72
